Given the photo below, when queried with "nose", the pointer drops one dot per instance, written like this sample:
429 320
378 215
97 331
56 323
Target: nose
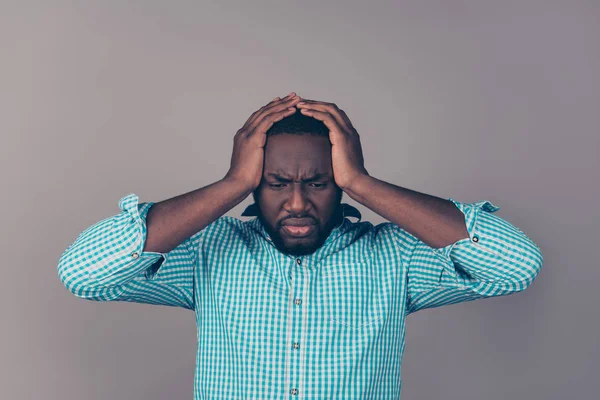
297 203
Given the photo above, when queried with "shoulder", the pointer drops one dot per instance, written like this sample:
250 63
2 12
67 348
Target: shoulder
391 233
223 225
225 229
373 236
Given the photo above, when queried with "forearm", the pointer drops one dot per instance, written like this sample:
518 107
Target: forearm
435 221
171 221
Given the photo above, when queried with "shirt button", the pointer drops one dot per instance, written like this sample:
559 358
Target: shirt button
296 345
475 238
298 302
135 255
294 391
298 261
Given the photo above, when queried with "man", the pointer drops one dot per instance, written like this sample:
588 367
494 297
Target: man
299 302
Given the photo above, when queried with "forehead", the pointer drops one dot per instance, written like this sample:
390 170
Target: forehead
297 154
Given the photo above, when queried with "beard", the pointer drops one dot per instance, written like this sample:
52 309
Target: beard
303 246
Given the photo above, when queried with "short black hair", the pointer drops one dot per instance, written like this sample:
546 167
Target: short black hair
299 124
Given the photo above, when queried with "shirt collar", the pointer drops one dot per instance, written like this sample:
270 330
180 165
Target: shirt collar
349 211
342 228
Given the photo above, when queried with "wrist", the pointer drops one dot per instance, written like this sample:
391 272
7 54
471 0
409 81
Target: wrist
358 185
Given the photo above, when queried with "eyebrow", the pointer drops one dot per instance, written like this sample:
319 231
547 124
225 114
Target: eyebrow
313 178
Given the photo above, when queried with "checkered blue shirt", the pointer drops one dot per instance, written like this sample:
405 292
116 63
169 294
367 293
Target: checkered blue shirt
325 325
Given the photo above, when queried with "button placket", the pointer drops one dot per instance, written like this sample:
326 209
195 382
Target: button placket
289 329
304 326
297 320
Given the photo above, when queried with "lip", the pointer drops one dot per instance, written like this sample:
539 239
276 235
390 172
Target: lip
296 235
298 221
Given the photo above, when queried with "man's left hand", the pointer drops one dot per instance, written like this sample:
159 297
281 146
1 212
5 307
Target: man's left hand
346 151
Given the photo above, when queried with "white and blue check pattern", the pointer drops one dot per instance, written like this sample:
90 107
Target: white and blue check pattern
329 325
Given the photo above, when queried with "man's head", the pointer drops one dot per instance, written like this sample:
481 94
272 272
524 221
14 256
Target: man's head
297 186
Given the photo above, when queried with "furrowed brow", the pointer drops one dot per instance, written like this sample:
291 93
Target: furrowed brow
313 178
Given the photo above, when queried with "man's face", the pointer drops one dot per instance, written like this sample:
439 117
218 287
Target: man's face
297 187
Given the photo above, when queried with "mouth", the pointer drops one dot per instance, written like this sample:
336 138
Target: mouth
298 231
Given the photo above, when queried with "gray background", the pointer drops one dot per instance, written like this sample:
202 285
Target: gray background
466 99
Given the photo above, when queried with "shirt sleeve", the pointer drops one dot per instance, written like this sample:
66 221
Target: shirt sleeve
497 259
106 262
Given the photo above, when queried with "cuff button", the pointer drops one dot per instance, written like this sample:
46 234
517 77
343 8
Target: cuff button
135 255
475 238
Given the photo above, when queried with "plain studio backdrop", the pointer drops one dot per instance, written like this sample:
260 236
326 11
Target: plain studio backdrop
474 100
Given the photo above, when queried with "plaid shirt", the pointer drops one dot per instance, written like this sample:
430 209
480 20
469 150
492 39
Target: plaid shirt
326 325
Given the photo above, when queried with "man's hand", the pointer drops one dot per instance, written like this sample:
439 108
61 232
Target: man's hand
249 142
346 152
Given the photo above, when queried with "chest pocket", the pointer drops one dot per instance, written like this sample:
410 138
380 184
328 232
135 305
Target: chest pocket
350 296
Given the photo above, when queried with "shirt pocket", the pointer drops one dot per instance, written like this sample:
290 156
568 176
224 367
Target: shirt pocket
350 297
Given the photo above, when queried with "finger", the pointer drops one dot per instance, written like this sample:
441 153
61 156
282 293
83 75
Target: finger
274 102
275 108
288 96
250 121
328 108
343 114
268 121
283 103
325 117
291 94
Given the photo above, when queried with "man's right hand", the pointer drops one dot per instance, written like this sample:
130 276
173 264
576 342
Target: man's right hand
249 142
